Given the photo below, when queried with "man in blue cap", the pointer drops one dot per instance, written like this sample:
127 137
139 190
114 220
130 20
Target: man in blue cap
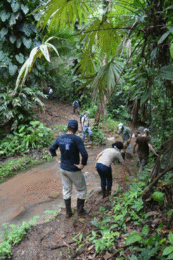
71 146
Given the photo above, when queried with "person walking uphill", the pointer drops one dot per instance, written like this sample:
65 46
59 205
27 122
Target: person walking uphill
86 125
70 147
103 166
76 106
126 134
143 144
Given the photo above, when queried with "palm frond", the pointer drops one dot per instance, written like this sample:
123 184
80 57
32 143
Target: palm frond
57 14
37 52
106 79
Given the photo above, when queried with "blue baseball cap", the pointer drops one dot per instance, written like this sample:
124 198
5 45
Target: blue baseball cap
73 124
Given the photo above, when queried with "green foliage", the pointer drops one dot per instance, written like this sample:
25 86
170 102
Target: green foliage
14 237
16 109
97 135
18 34
63 13
168 250
158 196
53 213
129 206
37 52
109 124
36 135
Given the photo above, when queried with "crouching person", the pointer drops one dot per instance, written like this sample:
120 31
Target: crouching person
103 167
70 147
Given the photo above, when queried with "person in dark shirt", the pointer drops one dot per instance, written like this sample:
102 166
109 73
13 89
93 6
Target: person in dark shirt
144 145
70 147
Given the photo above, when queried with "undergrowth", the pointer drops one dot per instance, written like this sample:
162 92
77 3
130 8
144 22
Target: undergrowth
26 137
131 230
11 167
13 235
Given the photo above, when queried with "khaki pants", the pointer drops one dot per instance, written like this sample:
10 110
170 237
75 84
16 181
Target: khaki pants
68 178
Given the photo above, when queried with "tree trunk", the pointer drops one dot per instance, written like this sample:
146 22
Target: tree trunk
135 112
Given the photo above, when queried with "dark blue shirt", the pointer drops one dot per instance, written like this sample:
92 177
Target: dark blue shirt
70 146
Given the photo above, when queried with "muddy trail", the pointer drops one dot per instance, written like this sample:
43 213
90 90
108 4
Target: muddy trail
39 190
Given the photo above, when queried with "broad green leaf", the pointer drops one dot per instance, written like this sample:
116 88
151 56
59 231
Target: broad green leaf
170 256
137 3
158 196
27 42
171 49
170 236
3 32
15 6
135 237
168 250
13 18
145 95
12 38
170 212
164 36
18 43
20 58
25 8
4 15
145 230
133 257
12 69
166 72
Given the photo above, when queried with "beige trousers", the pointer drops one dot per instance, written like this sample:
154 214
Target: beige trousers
76 178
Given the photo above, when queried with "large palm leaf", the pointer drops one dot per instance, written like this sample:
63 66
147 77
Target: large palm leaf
37 52
105 80
60 13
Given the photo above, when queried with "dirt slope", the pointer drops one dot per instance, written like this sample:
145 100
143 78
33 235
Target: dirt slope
52 240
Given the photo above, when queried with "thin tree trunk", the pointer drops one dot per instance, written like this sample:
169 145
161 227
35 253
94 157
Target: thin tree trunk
135 112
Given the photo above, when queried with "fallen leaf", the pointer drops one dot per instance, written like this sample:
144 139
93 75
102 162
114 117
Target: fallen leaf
152 213
107 256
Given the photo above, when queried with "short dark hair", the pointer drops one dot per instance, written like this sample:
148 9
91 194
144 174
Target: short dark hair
119 145
72 129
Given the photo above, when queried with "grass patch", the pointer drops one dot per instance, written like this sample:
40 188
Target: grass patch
109 125
12 166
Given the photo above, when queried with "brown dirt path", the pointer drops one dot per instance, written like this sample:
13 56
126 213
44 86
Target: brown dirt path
39 189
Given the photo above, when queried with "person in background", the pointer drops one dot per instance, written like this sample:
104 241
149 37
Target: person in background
143 146
50 93
103 166
76 106
126 134
86 125
71 146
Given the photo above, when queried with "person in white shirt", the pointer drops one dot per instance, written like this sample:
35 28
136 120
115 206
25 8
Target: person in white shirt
86 125
103 166
50 93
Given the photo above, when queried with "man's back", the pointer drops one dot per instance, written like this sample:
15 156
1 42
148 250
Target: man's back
142 142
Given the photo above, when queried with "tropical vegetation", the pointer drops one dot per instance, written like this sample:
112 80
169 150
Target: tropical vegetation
114 56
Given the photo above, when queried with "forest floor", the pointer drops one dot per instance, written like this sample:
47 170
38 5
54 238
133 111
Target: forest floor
54 239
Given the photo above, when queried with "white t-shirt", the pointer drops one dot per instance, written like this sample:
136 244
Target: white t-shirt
85 120
108 155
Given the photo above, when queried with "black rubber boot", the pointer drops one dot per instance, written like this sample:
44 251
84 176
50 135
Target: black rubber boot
104 193
123 155
108 193
68 208
80 207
